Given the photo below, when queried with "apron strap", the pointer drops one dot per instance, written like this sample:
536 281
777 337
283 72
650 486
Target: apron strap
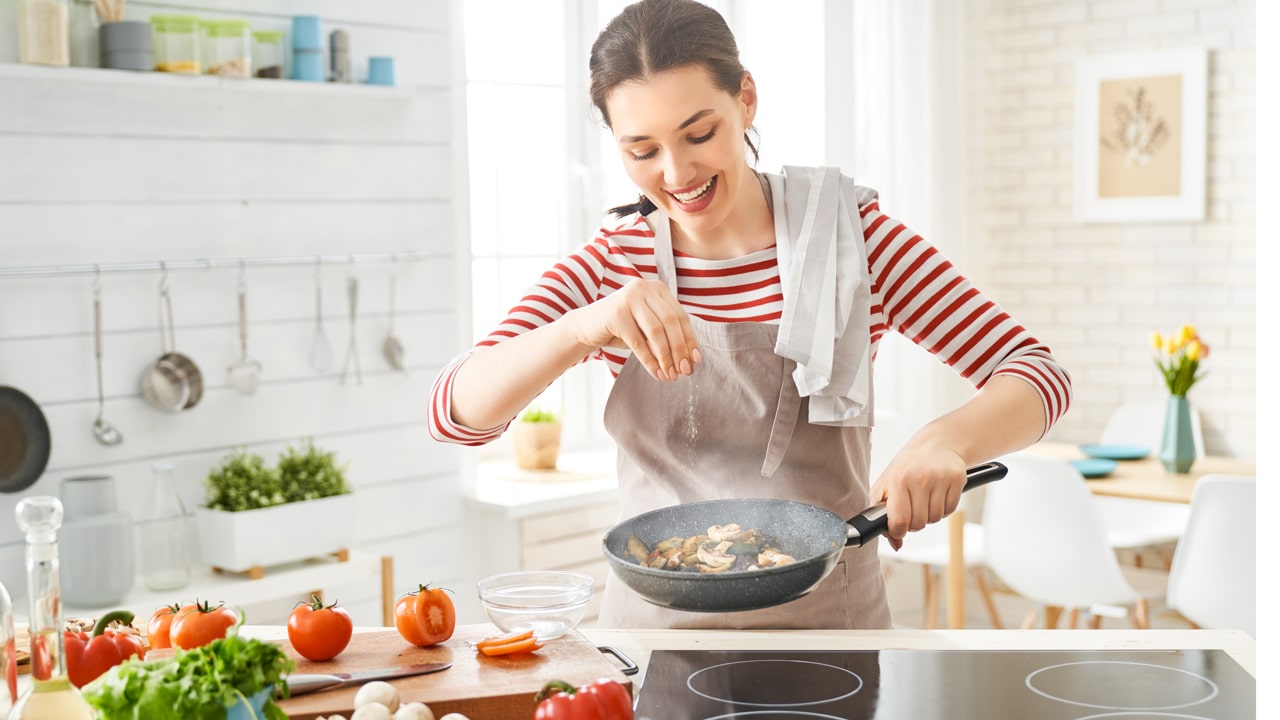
784 423
663 257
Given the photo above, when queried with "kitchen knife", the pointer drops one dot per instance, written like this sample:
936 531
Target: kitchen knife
303 683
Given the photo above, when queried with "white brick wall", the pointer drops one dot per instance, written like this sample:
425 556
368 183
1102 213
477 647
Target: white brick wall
1095 292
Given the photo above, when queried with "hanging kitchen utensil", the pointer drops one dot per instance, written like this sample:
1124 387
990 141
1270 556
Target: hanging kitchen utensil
245 372
814 536
105 432
353 355
173 382
24 440
392 348
321 354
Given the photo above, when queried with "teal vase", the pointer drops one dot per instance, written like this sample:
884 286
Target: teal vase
1178 446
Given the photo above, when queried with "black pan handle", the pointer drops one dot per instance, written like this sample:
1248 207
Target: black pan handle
875 520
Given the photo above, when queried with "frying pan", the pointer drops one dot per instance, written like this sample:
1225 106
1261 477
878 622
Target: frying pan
24 440
814 536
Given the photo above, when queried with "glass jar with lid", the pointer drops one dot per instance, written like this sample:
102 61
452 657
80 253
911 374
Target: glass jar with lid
175 43
268 54
226 48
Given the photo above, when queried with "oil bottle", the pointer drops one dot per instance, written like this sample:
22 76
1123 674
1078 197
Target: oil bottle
52 695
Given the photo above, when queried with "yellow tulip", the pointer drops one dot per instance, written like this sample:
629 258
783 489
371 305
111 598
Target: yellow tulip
1185 333
1193 350
1157 341
1169 347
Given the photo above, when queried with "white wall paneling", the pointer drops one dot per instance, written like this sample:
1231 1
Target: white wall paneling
110 168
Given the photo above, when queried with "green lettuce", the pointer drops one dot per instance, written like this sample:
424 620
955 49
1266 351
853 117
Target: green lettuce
197 684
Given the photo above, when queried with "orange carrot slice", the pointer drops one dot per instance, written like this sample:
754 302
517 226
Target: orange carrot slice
504 639
528 644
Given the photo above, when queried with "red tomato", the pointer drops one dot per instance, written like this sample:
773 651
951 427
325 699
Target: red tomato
160 622
426 617
601 700
318 632
201 625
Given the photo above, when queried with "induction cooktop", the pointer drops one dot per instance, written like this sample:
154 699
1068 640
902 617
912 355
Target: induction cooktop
946 684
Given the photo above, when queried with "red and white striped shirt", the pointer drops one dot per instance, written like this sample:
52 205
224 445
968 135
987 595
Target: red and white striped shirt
915 291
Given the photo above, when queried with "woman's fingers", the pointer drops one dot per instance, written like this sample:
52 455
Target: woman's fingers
645 318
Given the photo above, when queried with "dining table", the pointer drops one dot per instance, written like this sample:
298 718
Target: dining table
1144 478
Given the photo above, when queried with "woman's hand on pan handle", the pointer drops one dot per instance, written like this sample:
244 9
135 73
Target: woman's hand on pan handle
921 486
646 318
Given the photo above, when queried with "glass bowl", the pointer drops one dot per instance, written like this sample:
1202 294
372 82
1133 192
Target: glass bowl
549 602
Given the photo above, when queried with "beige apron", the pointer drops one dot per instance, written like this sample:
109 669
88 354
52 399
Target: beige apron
733 430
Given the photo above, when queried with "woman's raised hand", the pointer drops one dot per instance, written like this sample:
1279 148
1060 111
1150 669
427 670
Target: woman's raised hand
646 318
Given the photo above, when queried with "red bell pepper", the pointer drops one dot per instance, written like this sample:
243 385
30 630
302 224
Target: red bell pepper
601 700
90 656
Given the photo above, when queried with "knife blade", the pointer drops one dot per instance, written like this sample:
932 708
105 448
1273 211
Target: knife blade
303 683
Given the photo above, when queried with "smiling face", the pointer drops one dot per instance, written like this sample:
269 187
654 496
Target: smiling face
681 140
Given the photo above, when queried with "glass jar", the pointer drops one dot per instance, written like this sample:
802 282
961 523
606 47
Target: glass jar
44 32
8 653
165 535
226 48
268 54
175 43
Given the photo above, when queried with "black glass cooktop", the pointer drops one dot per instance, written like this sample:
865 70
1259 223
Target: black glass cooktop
946 684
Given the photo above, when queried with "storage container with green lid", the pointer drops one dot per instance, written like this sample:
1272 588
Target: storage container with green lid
175 43
226 47
268 54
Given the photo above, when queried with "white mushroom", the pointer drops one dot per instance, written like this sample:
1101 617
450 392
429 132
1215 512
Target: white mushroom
730 532
455 716
414 711
714 557
379 693
372 711
772 557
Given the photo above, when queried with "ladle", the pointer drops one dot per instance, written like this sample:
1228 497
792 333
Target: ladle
246 371
321 354
392 348
105 432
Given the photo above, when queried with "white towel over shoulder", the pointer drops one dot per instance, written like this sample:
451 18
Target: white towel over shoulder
826 294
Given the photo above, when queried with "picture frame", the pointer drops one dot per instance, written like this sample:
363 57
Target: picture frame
1140 136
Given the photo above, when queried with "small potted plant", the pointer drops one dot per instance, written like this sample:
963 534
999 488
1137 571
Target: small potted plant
257 515
536 437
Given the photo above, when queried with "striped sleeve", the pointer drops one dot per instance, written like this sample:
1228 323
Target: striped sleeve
921 295
574 282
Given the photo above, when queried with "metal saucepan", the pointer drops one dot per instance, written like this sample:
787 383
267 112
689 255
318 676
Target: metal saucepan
173 382
814 536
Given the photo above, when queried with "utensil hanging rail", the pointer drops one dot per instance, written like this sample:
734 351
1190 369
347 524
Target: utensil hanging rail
213 263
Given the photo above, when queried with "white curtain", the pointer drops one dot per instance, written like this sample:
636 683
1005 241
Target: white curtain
895 121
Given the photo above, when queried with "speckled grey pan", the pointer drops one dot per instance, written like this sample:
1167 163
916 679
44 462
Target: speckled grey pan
812 535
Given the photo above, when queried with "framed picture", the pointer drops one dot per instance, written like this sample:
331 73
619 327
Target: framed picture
1140 136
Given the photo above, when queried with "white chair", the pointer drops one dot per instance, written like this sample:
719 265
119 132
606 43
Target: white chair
931 549
1046 541
1213 582
1138 525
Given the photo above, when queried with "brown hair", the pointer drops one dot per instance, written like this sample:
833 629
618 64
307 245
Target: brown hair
652 36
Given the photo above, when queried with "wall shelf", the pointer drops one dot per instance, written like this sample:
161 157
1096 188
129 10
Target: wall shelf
210 82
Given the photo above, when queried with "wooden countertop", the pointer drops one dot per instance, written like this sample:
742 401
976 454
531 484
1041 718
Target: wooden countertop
1146 479
638 644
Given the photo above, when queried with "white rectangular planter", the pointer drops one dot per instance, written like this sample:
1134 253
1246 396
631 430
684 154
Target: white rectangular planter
240 541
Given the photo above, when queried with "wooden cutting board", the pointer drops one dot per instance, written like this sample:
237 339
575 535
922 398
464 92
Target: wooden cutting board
477 686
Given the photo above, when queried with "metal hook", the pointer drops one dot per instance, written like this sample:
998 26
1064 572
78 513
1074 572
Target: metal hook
240 280
97 280
164 278
318 268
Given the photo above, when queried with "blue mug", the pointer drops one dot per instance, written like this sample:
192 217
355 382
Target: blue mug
382 71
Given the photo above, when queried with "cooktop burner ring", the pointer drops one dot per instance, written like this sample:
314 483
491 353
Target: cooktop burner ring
776 714
1113 708
760 669
1141 714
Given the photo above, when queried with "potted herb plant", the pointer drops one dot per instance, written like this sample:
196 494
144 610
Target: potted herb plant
536 437
257 515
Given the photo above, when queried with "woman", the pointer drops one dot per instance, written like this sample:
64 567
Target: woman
740 314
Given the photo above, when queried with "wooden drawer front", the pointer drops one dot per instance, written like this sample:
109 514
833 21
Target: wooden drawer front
592 518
